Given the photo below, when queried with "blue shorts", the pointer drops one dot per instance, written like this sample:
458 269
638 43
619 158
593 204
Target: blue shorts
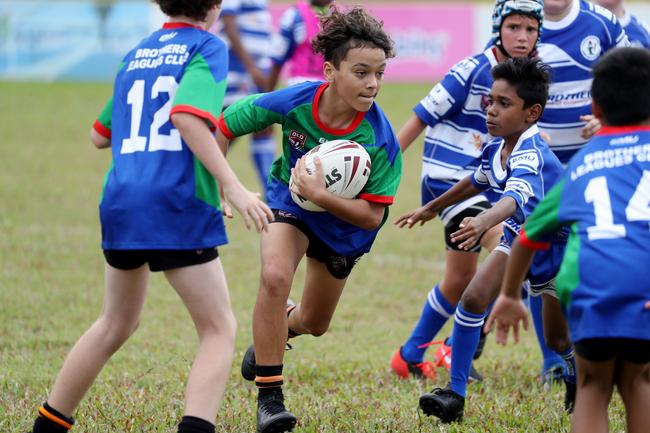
546 264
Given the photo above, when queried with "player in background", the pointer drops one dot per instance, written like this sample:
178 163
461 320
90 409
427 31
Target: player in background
299 26
520 166
637 31
176 77
355 48
246 27
453 114
602 282
575 35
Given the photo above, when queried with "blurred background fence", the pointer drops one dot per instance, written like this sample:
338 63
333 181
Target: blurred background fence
85 40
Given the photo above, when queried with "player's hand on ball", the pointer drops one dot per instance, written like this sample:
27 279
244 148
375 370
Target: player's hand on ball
421 214
249 205
470 232
507 313
308 185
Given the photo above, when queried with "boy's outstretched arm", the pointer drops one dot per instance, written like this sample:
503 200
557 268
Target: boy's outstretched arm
508 310
457 193
410 131
472 228
201 141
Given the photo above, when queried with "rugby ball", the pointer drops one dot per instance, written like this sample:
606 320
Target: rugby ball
346 167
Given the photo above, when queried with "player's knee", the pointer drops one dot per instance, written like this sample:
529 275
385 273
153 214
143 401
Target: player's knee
276 281
454 285
315 327
474 300
114 332
557 343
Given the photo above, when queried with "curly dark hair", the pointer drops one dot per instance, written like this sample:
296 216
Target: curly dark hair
530 78
346 30
195 9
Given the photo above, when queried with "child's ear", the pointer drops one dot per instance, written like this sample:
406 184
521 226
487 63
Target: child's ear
534 113
328 71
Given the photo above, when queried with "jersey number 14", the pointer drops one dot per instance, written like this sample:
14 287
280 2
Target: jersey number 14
637 209
157 141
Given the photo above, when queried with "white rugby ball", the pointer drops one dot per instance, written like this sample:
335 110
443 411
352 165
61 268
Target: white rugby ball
346 167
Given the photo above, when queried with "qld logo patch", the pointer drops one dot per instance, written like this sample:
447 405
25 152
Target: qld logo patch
590 47
297 139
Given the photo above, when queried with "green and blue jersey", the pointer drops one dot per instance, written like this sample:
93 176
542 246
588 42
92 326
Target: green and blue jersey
296 109
157 195
605 199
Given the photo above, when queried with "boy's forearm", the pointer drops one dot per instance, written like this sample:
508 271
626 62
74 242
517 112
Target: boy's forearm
232 32
361 213
202 143
463 190
503 209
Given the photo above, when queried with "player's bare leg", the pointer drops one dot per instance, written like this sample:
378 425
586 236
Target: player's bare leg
595 386
633 382
124 297
319 300
204 292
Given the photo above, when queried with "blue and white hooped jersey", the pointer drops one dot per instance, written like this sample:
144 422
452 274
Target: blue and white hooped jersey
530 171
637 31
571 47
454 112
292 32
255 28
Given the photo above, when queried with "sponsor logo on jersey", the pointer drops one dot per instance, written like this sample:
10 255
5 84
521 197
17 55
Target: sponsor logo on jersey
297 139
528 160
590 47
167 36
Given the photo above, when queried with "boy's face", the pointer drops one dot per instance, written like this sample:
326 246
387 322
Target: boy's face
506 115
213 14
555 7
519 34
359 76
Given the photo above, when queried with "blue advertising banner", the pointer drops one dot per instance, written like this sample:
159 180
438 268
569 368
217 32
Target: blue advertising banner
69 40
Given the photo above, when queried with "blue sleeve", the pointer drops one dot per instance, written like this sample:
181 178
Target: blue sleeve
479 177
448 96
285 41
525 183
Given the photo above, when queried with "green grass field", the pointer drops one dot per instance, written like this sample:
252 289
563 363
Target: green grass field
51 275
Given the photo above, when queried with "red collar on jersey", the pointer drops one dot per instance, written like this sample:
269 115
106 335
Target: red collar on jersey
314 112
178 25
628 129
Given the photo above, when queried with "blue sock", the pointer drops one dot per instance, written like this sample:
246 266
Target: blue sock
263 153
435 312
466 333
550 358
569 358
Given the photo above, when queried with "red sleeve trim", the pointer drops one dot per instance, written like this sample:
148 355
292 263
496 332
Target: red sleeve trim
384 199
199 113
224 128
101 129
527 242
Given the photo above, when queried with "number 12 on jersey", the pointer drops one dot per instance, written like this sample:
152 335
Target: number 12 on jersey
157 141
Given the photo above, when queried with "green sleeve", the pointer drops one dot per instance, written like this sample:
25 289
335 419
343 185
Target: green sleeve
384 177
200 92
544 219
103 124
245 116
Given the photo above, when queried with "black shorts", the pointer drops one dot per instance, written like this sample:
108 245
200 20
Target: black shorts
454 225
338 266
604 349
159 260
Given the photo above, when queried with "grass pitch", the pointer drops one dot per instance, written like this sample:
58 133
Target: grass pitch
51 286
